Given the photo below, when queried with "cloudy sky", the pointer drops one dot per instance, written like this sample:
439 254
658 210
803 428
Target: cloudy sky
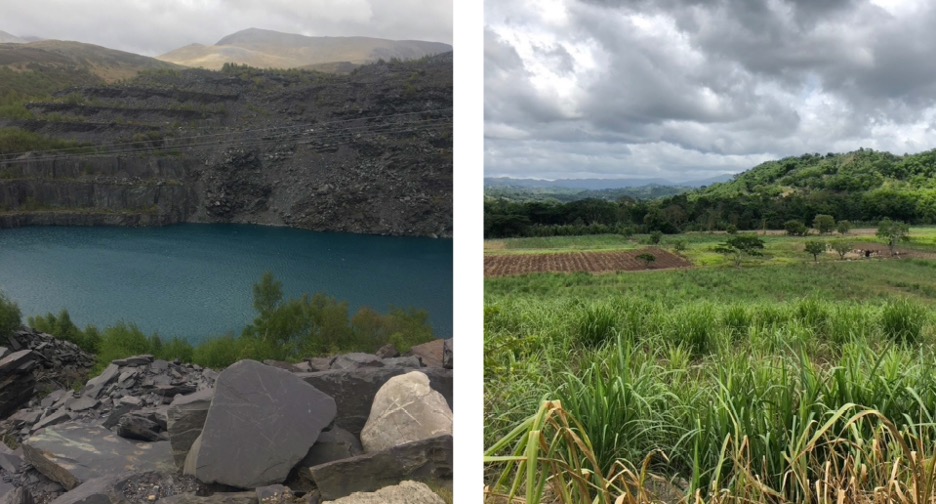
154 27
689 89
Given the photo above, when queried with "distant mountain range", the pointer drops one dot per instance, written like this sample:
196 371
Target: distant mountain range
594 184
272 49
254 47
6 38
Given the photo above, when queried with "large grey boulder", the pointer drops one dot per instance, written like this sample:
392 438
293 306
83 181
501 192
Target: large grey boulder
354 390
429 460
74 453
261 422
405 409
407 492
187 416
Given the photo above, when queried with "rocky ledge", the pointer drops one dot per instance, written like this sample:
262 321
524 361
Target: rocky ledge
148 430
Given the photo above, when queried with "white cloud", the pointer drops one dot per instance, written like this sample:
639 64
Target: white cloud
705 86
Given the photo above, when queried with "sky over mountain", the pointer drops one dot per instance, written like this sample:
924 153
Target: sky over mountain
688 89
154 27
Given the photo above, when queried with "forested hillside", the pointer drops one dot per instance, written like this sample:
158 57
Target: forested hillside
859 186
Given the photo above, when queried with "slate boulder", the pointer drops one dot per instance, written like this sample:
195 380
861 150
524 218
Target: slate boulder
261 422
405 409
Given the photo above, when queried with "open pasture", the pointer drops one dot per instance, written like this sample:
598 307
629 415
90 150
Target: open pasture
785 380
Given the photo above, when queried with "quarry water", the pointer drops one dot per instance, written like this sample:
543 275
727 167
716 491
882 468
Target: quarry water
195 281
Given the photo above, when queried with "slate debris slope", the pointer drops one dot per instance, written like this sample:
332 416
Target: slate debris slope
123 436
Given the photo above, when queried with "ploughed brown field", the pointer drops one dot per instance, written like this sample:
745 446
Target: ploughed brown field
570 262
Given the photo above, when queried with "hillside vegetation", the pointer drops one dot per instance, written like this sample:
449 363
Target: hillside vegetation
859 186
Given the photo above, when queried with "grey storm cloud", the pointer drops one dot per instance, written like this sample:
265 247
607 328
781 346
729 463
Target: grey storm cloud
154 27
706 86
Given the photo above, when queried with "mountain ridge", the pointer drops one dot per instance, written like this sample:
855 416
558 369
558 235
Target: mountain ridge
263 48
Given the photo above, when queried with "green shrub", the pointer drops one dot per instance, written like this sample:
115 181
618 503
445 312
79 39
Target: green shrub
9 318
122 340
217 353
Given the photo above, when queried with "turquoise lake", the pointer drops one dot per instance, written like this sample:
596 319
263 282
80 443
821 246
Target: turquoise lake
194 281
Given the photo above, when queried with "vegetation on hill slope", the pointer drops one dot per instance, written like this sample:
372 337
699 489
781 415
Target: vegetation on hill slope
860 186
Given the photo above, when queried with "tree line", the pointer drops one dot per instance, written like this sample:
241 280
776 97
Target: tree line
861 186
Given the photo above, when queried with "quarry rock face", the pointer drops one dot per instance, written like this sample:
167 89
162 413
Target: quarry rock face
267 168
261 422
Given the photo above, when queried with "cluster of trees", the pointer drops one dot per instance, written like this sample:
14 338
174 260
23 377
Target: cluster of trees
861 186
283 330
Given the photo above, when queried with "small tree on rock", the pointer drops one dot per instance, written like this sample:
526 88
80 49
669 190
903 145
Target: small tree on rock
815 247
893 232
740 246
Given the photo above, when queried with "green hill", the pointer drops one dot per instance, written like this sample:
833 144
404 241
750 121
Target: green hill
36 70
864 185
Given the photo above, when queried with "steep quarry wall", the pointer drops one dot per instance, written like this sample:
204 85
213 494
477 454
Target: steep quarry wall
369 152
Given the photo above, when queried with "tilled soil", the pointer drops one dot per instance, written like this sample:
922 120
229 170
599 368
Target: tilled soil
570 262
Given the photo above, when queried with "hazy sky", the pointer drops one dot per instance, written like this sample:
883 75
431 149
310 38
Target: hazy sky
688 89
154 27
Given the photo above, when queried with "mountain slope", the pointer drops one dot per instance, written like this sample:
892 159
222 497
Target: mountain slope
38 69
6 38
270 49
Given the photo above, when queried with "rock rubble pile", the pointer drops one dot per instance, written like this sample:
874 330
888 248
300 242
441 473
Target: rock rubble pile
148 430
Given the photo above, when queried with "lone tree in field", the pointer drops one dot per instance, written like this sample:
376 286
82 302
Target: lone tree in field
795 228
893 232
647 259
843 227
824 223
842 247
815 247
739 246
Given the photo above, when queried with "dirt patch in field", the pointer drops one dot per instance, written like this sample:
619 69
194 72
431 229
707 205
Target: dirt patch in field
571 262
878 251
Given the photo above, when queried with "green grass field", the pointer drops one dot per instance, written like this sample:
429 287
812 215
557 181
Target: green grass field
755 382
